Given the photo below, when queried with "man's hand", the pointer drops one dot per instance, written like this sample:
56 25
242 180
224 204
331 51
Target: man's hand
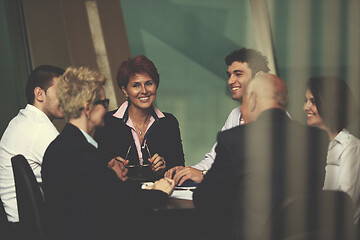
169 173
117 165
188 173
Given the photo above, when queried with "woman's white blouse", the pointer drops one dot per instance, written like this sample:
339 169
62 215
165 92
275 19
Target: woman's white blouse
343 167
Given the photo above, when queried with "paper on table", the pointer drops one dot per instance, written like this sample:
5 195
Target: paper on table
182 194
179 192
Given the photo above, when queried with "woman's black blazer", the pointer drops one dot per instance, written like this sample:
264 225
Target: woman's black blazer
163 138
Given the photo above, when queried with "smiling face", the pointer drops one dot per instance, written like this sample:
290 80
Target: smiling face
312 114
140 91
239 75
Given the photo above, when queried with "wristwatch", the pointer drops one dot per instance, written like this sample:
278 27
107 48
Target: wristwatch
203 172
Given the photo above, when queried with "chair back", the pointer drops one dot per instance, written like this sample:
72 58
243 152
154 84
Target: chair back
4 223
30 200
327 215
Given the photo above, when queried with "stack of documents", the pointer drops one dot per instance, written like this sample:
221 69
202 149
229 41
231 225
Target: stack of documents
183 193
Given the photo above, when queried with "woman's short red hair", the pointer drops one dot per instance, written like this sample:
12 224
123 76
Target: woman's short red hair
137 65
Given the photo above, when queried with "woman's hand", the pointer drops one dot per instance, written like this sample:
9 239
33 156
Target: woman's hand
117 164
166 185
157 162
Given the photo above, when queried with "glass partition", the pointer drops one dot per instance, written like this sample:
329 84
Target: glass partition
188 42
14 61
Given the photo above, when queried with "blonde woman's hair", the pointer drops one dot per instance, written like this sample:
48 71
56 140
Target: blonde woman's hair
76 87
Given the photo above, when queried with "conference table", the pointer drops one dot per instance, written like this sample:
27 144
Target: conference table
181 198
180 219
177 204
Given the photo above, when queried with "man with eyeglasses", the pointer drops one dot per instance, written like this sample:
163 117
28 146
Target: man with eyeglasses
30 132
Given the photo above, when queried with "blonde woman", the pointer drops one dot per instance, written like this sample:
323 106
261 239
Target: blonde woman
85 198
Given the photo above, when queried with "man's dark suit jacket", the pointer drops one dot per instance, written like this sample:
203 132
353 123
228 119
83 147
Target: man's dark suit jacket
257 166
84 198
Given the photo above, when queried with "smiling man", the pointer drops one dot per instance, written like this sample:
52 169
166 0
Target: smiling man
243 65
30 132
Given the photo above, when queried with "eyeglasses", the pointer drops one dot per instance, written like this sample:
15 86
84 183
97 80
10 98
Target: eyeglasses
148 151
104 102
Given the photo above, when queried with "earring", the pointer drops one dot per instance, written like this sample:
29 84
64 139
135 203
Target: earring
88 117
127 98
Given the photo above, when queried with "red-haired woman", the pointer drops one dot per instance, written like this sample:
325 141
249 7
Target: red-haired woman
144 137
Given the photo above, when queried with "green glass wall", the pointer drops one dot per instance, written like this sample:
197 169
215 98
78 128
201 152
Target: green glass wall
311 38
14 64
188 41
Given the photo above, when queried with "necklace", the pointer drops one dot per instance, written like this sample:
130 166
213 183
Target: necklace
140 129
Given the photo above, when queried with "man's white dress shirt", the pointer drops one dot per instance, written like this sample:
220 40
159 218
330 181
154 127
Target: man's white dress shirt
343 167
233 120
29 134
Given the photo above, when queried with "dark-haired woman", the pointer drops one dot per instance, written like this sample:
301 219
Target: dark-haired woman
144 137
328 105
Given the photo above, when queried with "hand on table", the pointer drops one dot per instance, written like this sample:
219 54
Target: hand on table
172 171
186 173
117 164
157 162
166 185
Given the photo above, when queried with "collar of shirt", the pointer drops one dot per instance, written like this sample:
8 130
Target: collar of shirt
32 108
336 147
89 139
341 139
122 113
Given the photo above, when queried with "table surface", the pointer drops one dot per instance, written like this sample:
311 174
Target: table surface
174 203
179 220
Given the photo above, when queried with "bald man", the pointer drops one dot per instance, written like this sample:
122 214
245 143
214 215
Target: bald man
259 164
